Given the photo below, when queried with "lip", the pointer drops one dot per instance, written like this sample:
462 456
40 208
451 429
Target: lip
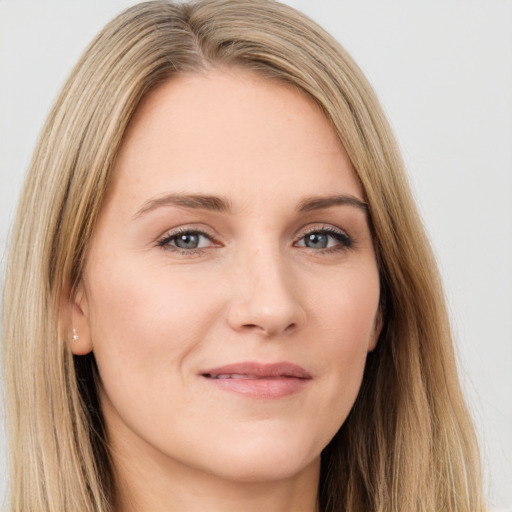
259 380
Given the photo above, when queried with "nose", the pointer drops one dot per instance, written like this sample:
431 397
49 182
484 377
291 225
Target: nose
265 297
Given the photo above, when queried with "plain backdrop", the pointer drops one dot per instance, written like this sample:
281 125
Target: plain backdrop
443 71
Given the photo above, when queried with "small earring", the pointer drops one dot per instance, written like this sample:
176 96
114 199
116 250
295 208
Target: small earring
75 335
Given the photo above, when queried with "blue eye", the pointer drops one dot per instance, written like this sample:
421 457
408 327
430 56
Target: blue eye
325 238
185 241
316 240
188 241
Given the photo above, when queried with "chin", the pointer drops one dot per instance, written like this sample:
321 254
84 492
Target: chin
263 462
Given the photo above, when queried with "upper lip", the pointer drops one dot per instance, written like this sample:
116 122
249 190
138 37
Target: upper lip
259 370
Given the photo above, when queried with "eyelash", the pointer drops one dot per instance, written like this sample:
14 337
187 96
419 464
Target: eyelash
165 242
345 242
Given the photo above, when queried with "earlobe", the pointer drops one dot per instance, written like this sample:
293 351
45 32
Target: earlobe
74 321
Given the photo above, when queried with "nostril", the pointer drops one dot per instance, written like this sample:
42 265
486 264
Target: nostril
269 330
250 326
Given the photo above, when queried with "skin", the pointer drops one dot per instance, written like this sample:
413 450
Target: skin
256 289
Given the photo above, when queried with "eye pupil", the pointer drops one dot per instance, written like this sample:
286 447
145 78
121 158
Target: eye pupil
316 241
187 241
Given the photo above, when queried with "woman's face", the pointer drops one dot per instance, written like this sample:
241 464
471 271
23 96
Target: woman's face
231 290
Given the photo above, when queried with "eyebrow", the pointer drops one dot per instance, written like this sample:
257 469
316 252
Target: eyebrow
195 201
319 203
219 204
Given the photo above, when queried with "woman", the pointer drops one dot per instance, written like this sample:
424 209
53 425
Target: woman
231 302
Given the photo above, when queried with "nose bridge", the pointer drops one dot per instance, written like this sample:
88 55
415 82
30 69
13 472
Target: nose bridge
267 274
265 298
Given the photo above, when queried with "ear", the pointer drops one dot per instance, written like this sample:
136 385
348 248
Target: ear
377 328
74 324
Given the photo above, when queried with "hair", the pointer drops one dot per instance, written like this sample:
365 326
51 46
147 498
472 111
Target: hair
408 443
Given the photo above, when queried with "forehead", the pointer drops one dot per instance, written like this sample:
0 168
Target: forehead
231 132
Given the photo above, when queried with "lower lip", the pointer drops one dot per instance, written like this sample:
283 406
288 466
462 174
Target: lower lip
261 388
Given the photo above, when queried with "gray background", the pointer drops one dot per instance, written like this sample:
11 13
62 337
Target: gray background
443 70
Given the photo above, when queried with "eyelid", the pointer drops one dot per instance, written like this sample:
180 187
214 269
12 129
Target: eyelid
328 228
189 228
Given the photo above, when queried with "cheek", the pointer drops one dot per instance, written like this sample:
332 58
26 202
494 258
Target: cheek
344 316
144 322
347 308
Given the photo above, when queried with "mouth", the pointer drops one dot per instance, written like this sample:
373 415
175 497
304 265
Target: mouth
258 380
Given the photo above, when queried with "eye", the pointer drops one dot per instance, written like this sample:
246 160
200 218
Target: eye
185 241
325 238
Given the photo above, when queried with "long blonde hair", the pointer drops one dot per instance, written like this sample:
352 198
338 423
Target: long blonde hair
407 445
